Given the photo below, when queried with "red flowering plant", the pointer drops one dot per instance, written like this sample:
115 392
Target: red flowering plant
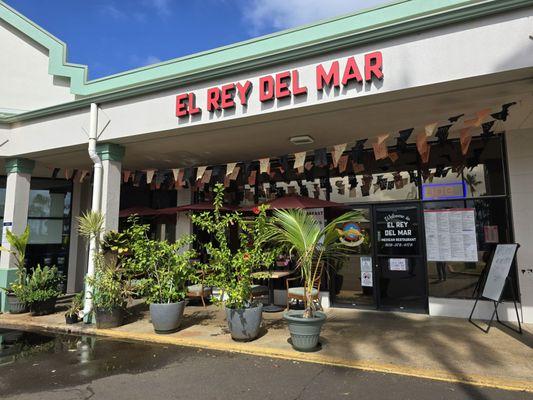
228 267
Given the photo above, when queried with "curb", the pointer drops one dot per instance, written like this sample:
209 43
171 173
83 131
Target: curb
507 384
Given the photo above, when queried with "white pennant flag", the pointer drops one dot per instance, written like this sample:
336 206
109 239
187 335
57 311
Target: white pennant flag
149 175
338 149
175 172
230 167
299 159
264 165
430 129
200 172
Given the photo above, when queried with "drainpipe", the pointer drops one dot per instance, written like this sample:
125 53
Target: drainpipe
96 205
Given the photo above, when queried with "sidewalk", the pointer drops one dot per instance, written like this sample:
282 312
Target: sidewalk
440 348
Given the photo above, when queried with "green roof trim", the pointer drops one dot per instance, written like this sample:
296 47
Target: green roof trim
384 22
19 165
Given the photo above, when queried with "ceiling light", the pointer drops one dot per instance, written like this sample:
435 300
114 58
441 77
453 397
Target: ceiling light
299 140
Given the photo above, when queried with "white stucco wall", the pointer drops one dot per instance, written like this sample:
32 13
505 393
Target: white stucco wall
24 80
450 54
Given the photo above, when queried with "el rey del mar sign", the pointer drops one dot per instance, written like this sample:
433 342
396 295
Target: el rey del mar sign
282 85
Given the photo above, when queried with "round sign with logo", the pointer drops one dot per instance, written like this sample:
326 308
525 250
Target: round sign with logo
351 235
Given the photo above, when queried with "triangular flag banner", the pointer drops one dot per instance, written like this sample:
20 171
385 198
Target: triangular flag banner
343 163
252 177
380 147
234 173
393 156
264 165
200 172
481 115
67 173
226 181
83 174
149 175
179 180
336 154
465 139
126 175
207 176
421 143
321 157
425 156
230 167
299 160
175 173
430 129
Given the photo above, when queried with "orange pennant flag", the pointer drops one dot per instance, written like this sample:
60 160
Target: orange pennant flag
181 174
465 139
421 143
393 156
343 163
207 176
481 115
251 178
127 175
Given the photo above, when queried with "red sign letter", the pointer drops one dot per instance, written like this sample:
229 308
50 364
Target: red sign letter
373 65
244 91
351 72
266 88
213 97
282 86
296 88
227 96
192 104
325 79
181 105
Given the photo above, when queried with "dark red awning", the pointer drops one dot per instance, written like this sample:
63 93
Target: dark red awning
297 202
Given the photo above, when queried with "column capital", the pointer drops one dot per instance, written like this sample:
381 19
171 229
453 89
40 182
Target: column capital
19 165
110 151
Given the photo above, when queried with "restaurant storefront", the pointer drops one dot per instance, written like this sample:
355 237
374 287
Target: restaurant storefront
417 114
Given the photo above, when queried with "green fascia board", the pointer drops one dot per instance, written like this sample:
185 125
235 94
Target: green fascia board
387 21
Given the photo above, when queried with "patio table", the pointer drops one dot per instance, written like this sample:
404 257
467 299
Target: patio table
270 275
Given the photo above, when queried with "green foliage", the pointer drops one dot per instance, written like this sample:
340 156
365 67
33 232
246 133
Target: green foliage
300 233
168 267
91 225
18 244
76 305
231 271
42 285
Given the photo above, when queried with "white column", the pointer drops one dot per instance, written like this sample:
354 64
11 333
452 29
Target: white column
111 156
183 221
17 199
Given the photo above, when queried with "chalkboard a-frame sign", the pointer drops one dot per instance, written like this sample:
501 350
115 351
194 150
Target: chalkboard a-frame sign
493 280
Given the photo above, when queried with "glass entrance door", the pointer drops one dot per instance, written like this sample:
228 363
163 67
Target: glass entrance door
399 266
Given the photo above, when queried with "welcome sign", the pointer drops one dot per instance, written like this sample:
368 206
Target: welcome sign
285 84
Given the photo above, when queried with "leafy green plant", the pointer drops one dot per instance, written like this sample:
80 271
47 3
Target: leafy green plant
18 244
315 248
168 267
42 285
231 271
76 305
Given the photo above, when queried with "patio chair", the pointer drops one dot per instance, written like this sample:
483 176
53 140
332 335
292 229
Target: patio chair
298 292
259 291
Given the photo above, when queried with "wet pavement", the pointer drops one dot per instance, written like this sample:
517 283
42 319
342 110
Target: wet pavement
45 366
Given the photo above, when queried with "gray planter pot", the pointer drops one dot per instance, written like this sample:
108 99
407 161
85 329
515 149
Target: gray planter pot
244 323
109 319
15 306
44 307
167 317
305 332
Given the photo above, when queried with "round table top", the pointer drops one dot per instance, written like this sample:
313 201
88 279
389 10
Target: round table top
272 274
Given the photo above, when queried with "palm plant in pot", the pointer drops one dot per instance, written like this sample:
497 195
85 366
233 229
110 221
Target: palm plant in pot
111 286
16 292
231 269
315 248
72 314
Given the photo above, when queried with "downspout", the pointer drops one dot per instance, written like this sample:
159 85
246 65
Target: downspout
96 205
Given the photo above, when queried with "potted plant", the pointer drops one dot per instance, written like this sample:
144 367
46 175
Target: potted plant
315 248
168 267
111 286
231 270
42 290
17 290
72 314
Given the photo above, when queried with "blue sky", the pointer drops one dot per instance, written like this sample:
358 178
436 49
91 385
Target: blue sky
112 36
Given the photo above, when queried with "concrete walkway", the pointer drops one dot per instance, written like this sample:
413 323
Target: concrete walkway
446 349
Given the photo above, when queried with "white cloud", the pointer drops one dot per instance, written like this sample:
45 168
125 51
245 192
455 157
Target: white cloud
151 60
263 15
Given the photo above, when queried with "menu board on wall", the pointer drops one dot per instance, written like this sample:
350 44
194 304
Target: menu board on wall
499 270
451 235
